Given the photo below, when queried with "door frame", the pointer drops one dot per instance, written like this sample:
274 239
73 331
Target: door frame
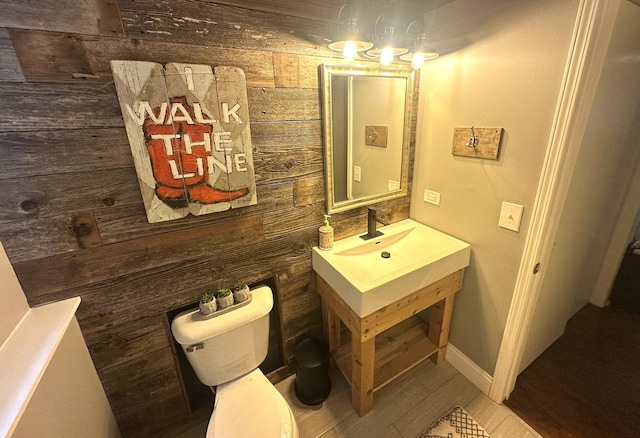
586 55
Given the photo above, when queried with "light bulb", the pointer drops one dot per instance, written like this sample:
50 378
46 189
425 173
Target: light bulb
349 51
418 61
386 56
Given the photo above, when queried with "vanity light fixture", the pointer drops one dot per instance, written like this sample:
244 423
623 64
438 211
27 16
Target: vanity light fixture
383 43
419 51
350 41
386 46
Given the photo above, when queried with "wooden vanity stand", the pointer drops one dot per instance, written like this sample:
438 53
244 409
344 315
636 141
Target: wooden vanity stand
389 341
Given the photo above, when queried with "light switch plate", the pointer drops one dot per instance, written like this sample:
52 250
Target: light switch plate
357 173
431 197
511 216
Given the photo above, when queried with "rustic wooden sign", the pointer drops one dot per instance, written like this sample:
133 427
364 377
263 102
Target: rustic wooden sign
188 128
477 142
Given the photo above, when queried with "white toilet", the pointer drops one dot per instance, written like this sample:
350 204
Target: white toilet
225 352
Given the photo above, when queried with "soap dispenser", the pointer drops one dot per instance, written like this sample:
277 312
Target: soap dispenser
326 235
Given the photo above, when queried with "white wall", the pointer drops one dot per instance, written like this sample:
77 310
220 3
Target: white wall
69 400
503 68
606 163
14 303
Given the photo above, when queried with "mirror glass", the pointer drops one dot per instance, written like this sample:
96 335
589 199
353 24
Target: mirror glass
367 119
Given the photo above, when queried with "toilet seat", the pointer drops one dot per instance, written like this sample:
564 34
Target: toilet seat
250 406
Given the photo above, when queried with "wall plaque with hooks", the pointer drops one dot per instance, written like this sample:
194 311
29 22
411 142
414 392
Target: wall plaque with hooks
376 136
477 142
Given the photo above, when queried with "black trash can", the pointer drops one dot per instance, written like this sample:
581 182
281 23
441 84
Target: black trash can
312 384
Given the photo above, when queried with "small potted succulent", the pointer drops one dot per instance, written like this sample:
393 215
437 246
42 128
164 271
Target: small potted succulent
240 292
207 304
224 297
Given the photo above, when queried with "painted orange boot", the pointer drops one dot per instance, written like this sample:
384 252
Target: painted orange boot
164 154
179 169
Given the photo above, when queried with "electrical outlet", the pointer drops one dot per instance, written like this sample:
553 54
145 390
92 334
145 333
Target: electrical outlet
393 185
432 197
357 173
510 216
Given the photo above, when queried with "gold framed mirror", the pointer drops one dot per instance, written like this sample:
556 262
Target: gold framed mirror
366 114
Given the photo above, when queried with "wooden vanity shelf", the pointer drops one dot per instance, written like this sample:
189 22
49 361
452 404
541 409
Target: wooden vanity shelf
397 351
387 343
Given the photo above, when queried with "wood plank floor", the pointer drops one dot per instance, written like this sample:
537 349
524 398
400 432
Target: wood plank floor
402 409
587 384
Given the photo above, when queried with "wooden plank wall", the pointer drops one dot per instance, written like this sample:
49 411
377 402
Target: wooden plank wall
71 214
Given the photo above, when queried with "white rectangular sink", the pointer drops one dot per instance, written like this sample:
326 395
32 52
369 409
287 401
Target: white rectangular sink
367 280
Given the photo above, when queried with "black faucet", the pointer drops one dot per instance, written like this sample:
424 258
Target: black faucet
372 220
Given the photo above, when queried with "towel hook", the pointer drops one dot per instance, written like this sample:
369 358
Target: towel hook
473 140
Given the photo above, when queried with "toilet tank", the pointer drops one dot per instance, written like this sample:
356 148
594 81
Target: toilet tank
228 345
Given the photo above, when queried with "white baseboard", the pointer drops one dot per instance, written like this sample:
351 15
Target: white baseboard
469 369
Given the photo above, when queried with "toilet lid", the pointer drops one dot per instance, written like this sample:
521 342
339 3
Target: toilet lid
250 406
